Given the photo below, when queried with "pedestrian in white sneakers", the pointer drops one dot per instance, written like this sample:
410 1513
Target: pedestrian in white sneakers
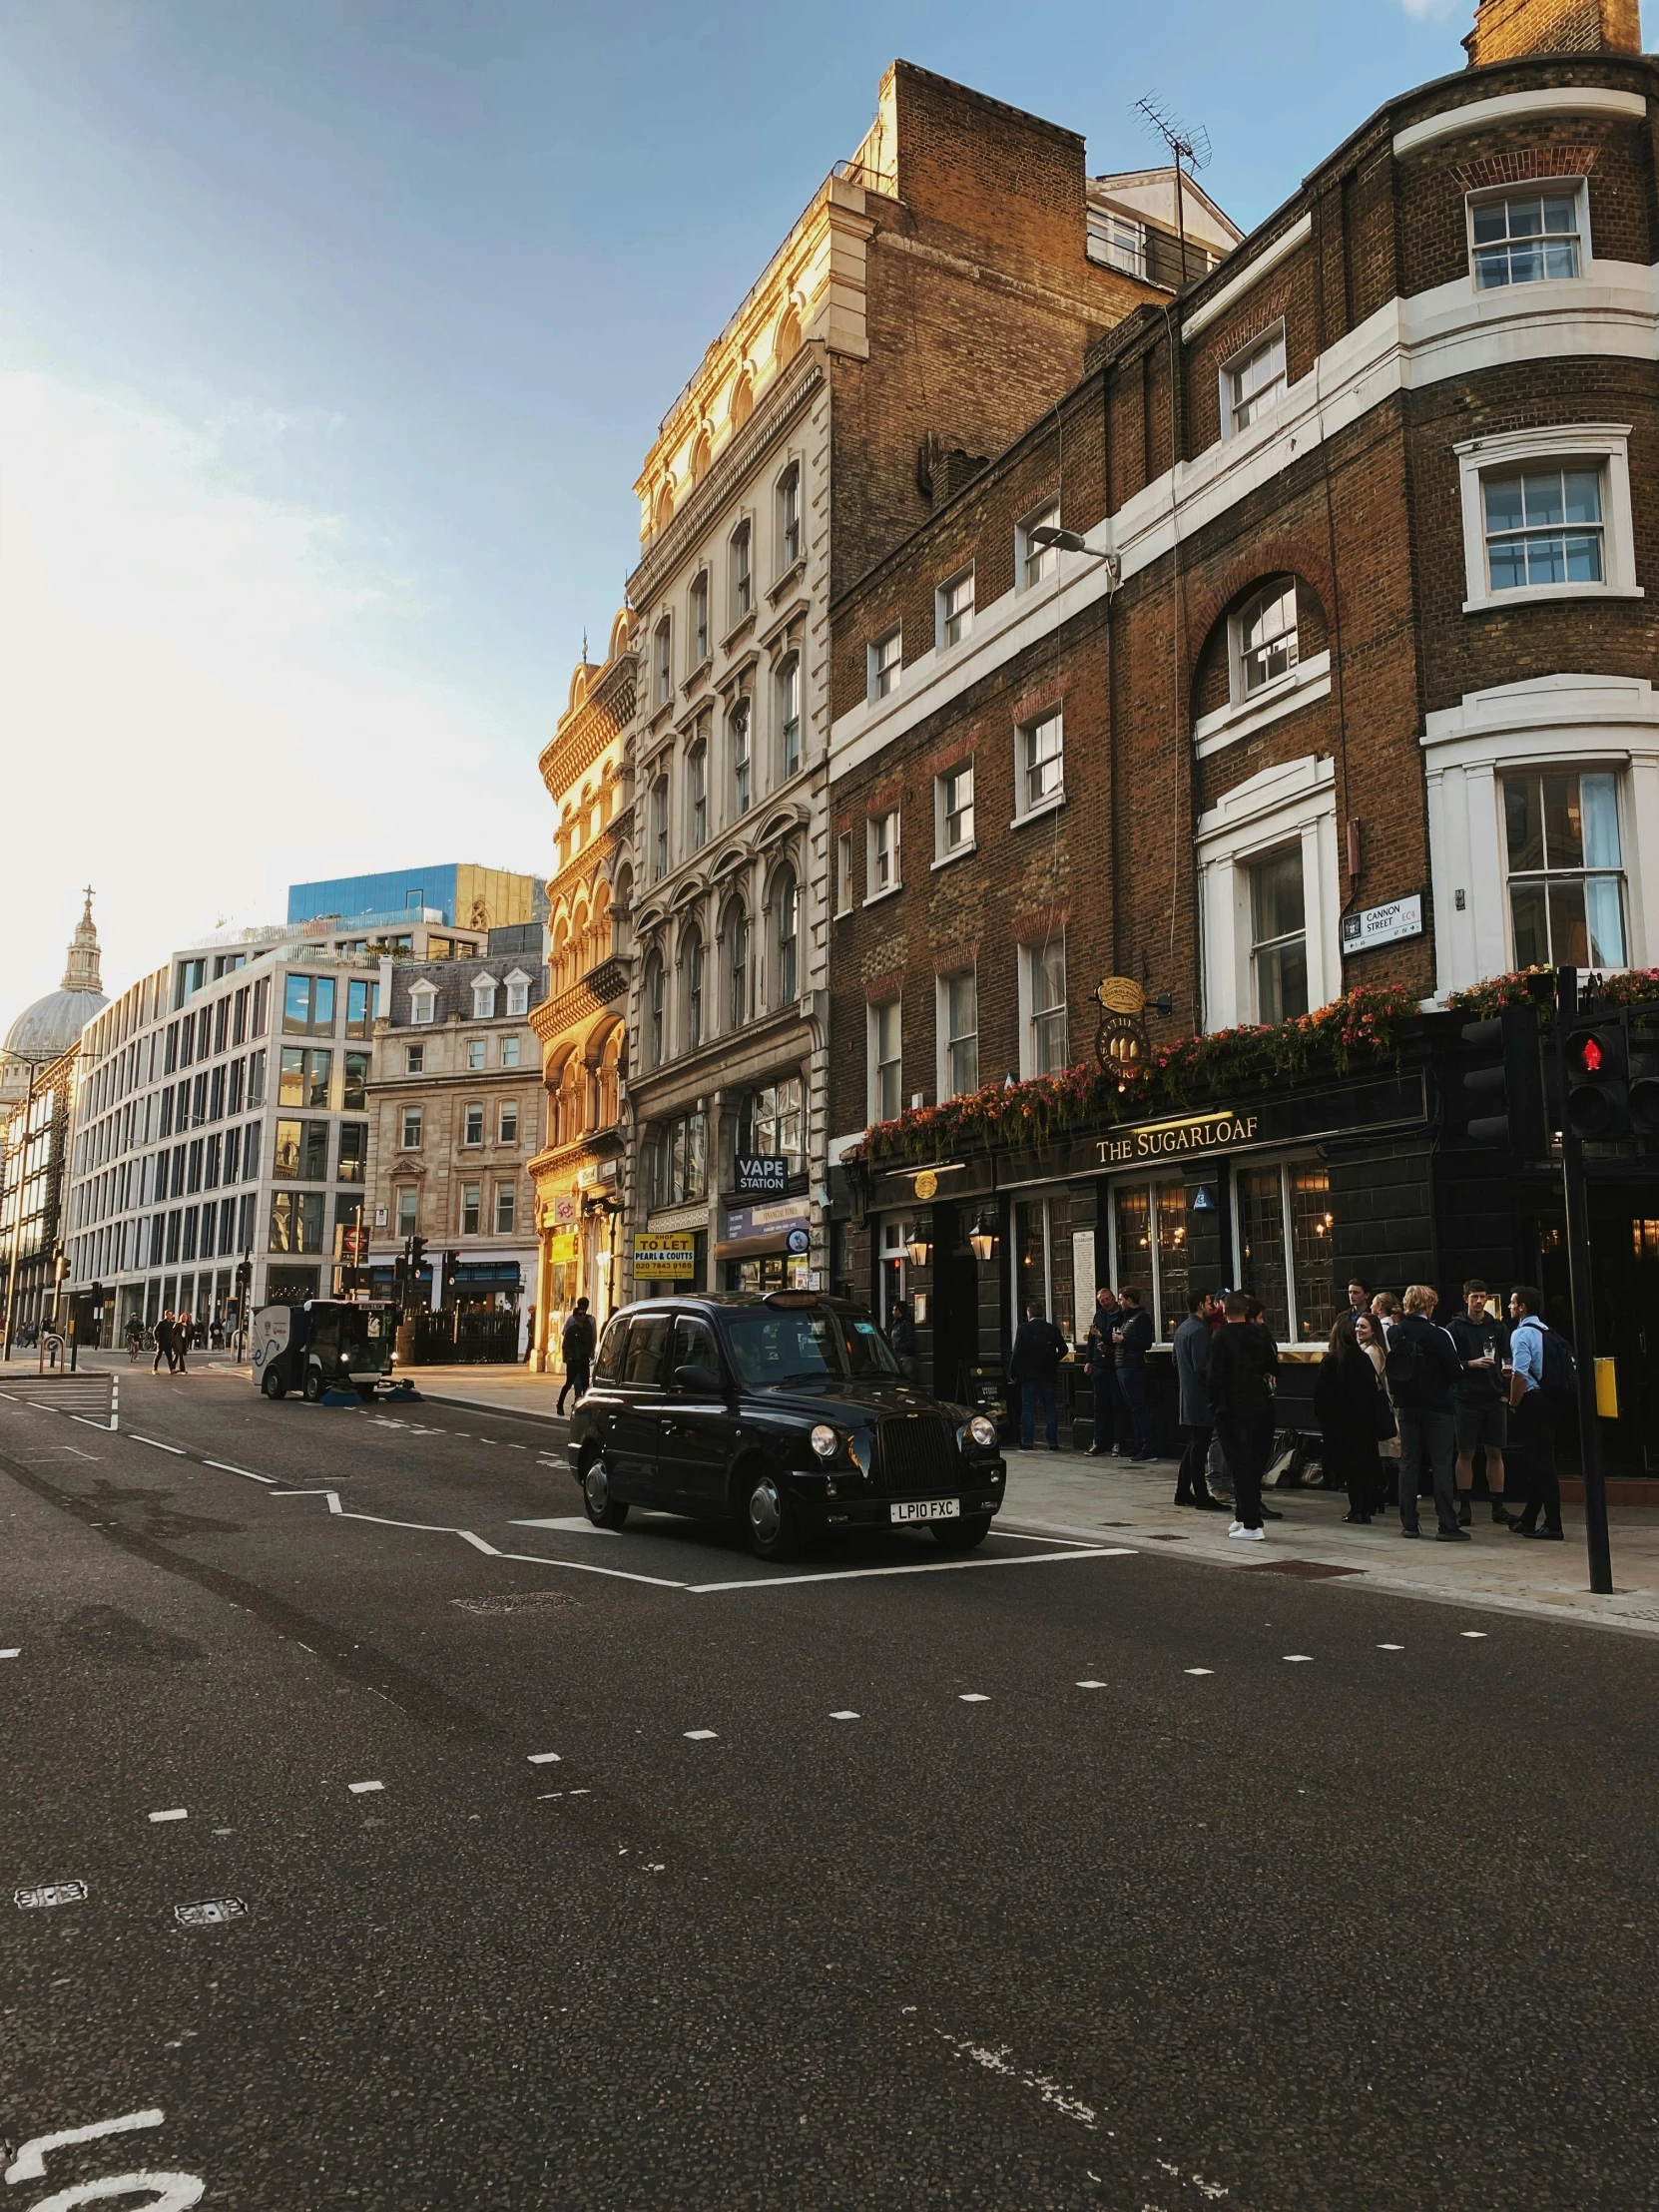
1242 1360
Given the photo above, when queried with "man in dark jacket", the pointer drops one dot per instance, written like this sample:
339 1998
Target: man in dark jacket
1038 1349
1239 1386
901 1334
576 1342
1100 1362
1423 1370
1135 1335
164 1344
1192 1368
1479 1408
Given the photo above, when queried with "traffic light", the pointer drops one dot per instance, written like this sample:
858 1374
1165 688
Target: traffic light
1503 1095
452 1265
417 1255
1597 1057
1643 1032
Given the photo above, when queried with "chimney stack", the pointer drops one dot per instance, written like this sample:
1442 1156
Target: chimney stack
1505 29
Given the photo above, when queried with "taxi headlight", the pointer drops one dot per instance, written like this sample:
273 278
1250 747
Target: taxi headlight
825 1441
983 1432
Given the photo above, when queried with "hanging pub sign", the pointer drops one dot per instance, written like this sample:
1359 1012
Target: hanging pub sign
1121 1040
762 1174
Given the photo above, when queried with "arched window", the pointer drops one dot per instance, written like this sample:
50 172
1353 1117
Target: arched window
787 498
700 619
621 937
789 715
788 337
739 752
1267 636
742 401
691 974
786 908
697 794
736 933
701 453
659 829
567 1109
602 947
665 507
561 955
741 572
663 660
654 1040
609 1080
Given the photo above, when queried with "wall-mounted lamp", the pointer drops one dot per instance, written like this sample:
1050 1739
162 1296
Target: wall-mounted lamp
982 1237
918 1249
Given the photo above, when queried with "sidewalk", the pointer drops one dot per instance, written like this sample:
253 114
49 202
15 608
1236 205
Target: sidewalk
490 1390
1067 1493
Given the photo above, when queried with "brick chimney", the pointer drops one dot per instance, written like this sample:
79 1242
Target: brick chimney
1505 29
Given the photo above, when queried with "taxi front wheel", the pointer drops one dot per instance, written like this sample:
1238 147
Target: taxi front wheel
601 1508
966 1534
772 1521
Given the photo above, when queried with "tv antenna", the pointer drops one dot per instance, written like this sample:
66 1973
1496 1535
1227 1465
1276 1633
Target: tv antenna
1189 152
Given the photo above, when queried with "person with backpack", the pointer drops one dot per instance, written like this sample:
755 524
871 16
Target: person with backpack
1036 1365
1422 1373
1543 1382
576 1342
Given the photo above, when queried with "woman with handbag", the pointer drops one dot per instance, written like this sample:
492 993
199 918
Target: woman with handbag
1347 1399
1369 1329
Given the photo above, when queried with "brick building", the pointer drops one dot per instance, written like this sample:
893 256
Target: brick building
1339 675
940 290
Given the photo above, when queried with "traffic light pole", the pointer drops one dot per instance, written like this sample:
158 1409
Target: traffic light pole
1596 1539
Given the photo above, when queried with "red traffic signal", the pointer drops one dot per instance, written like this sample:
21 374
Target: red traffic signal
1598 1072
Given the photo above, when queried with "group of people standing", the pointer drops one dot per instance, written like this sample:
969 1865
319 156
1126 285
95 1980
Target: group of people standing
1404 1404
1404 1400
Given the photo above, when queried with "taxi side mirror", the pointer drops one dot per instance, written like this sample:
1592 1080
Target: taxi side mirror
702 1381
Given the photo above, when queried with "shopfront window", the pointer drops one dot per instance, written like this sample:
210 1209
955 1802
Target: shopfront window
1042 1257
1284 1229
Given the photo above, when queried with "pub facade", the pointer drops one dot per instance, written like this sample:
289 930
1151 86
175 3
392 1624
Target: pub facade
1305 694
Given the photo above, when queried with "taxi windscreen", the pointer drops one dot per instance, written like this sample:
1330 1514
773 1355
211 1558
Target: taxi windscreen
771 1346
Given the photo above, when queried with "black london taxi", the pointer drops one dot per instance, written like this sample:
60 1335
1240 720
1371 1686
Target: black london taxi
784 1415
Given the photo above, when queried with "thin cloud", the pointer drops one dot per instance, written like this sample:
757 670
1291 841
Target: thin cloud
203 691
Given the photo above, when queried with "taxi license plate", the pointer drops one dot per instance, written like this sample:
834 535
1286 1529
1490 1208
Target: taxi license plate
927 1508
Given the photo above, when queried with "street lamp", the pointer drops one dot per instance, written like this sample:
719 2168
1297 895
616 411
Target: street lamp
1050 537
917 1247
982 1237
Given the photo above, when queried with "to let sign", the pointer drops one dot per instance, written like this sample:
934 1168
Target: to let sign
766 1175
1375 925
661 1259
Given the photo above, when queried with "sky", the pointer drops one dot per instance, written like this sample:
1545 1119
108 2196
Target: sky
334 335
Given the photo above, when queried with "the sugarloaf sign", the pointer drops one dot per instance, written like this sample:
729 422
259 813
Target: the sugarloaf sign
1121 1041
1168 1140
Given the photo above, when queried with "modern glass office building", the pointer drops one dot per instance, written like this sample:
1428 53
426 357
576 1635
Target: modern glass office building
457 892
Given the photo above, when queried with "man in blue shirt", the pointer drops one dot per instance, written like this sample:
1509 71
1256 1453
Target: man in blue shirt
1532 1418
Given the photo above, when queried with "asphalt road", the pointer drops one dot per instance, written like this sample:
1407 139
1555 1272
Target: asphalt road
1065 1877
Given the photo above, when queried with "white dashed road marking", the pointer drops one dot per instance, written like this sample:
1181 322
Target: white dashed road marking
699 1735
844 1716
1198 1670
16 1652
358 1788
1479 1634
177 1450
972 1697
544 1758
1390 1647
1298 1658
225 1468
1091 1685
173 1813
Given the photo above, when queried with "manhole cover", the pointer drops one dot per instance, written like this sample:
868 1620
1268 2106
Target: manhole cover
1167 1539
516 1601
1305 1570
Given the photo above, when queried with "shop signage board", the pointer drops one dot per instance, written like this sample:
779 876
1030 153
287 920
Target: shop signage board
661 1259
561 1246
762 1174
1298 1116
564 1208
1373 926
744 1222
